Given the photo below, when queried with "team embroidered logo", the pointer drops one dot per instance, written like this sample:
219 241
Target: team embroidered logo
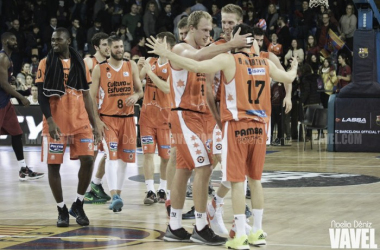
200 159
218 146
90 146
354 235
125 74
164 71
52 157
109 74
130 156
153 67
363 52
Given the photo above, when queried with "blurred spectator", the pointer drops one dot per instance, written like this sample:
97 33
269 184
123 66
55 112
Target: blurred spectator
322 31
327 72
126 36
78 11
21 77
185 13
277 97
33 98
117 14
198 6
131 19
150 20
294 51
271 19
216 29
99 5
127 55
140 49
77 36
311 47
17 56
250 18
215 13
105 17
305 21
165 21
39 14
34 65
283 34
34 43
29 82
91 32
344 71
275 47
313 61
347 26
62 14
48 33
183 29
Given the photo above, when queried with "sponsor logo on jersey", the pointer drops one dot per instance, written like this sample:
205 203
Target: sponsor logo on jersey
125 74
146 140
128 151
164 71
259 113
56 148
113 146
256 71
109 74
165 146
85 140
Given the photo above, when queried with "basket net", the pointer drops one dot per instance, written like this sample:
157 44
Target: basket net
316 3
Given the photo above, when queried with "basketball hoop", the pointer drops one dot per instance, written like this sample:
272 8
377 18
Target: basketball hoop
316 3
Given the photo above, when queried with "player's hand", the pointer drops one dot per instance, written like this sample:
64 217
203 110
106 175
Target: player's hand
25 102
98 136
54 130
287 103
131 100
157 48
101 126
240 41
294 62
147 67
140 62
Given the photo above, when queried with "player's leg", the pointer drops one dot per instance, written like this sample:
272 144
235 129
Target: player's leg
170 172
148 144
95 192
163 145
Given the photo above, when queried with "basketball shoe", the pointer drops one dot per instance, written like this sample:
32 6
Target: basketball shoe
215 217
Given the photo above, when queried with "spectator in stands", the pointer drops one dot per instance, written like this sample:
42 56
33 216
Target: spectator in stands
216 29
347 26
21 77
17 56
34 65
34 41
165 21
322 31
185 13
39 14
91 32
131 19
311 47
62 14
126 36
78 11
105 17
29 82
33 98
215 13
48 32
77 36
294 51
140 49
271 19
183 29
150 20
99 5
250 18
313 61
127 55
117 14
277 97
275 47
305 21
198 6
344 72
327 72
283 34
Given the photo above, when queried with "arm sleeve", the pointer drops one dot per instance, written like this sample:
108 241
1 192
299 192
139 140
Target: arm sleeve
44 102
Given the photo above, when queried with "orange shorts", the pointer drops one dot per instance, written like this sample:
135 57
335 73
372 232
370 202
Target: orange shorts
80 144
120 138
243 152
216 141
152 136
193 145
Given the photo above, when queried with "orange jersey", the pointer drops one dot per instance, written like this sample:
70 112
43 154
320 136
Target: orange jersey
94 62
115 87
247 95
275 49
262 53
188 90
68 111
156 105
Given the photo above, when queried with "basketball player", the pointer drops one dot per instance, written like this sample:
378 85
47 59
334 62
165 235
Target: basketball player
183 29
245 109
154 120
96 194
63 83
118 86
8 120
189 131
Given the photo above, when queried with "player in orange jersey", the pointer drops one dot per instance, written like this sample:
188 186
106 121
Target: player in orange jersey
154 120
63 82
189 131
244 110
95 193
118 86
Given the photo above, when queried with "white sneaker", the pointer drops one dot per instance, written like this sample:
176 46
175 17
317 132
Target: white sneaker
233 229
215 217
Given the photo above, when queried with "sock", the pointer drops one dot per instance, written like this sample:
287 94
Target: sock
245 186
240 221
111 174
200 220
257 219
189 181
61 204
22 164
97 181
150 185
175 218
121 171
80 197
218 200
162 184
167 194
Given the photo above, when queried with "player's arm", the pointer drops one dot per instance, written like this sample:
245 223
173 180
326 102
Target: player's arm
94 88
164 86
211 100
88 62
282 76
140 66
287 103
136 85
4 64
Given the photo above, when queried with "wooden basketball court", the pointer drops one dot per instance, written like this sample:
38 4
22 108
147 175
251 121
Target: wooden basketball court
306 194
